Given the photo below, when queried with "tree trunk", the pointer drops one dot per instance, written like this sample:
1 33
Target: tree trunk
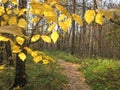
73 29
20 75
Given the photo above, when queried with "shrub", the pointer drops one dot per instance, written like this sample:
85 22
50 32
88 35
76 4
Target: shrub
102 74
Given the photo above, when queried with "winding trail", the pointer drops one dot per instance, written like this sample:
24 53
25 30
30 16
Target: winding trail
76 78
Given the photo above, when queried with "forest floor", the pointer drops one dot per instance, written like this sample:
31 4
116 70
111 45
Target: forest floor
76 78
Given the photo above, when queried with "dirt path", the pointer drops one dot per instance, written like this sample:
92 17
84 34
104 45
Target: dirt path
76 78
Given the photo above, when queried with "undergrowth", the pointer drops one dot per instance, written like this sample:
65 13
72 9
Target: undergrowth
102 74
62 55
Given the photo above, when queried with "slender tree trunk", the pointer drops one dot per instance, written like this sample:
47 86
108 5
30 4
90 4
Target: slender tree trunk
73 29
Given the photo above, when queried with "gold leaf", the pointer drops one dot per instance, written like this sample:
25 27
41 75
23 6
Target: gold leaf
51 27
3 23
2 38
78 19
20 40
62 9
12 20
89 16
22 56
28 50
45 61
14 1
4 1
99 19
35 38
22 11
22 23
6 18
34 20
16 49
46 38
54 36
37 59
34 53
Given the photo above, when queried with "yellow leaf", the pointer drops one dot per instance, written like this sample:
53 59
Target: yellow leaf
35 11
14 1
28 50
2 38
16 11
65 25
6 18
2 67
12 20
34 20
34 53
62 9
22 11
51 27
4 1
61 17
22 23
54 36
46 38
22 56
3 23
99 19
16 49
45 61
78 19
20 40
37 59
89 16
35 38
8 10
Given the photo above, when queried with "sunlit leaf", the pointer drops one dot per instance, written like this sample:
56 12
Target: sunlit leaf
22 11
45 61
34 53
4 1
16 49
12 20
51 27
66 24
22 23
22 56
62 9
37 59
14 1
61 17
20 40
46 38
16 11
8 10
2 38
99 19
34 20
54 36
6 18
78 19
35 38
3 23
89 16
28 50
2 67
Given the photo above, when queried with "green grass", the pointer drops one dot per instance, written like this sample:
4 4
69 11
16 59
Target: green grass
62 55
40 77
102 74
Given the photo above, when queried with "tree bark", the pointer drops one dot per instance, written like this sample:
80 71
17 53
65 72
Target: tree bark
20 75
73 29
